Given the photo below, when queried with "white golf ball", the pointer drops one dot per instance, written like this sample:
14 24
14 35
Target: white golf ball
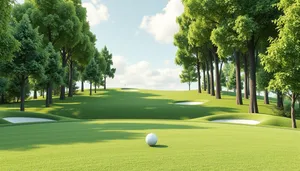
151 139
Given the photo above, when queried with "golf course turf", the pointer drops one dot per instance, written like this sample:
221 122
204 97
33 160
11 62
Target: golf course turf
107 132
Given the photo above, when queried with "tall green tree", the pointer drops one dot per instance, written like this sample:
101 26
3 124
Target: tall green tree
90 73
29 61
53 72
201 30
8 44
82 52
58 21
109 72
188 75
189 50
283 55
254 26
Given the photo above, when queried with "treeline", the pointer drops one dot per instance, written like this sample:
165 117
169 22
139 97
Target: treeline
261 38
47 46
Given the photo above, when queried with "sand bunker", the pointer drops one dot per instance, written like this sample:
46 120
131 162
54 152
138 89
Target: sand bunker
189 103
26 119
237 121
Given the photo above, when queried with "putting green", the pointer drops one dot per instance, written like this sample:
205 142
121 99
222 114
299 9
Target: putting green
120 145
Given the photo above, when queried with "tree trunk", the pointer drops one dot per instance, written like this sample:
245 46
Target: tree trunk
95 88
221 74
22 106
189 86
104 82
2 98
266 98
43 93
212 85
279 100
91 88
217 74
199 76
293 117
208 79
48 95
82 86
253 99
34 94
64 64
70 94
246 87
239 100
204 79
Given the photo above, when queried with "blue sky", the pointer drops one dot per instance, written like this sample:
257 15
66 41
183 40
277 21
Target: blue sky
122 35
139 33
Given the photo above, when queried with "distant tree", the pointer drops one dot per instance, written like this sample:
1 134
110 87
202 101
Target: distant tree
109 72
231 84
30 60
188 75
101 63
263 79
230 70
90 73
81 69
223 79
226 73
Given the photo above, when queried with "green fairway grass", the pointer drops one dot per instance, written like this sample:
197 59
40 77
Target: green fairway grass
144 104
108 132
120 145
148 104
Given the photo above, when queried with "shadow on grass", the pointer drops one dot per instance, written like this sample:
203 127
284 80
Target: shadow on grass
113 104
27 137
159 146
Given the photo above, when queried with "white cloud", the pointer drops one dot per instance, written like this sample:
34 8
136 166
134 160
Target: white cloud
163 25
96 12
143 75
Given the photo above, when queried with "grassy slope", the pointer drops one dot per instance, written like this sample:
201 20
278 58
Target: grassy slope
148 104
265 120
120 145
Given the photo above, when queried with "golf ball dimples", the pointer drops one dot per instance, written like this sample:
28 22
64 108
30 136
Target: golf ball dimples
151 139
